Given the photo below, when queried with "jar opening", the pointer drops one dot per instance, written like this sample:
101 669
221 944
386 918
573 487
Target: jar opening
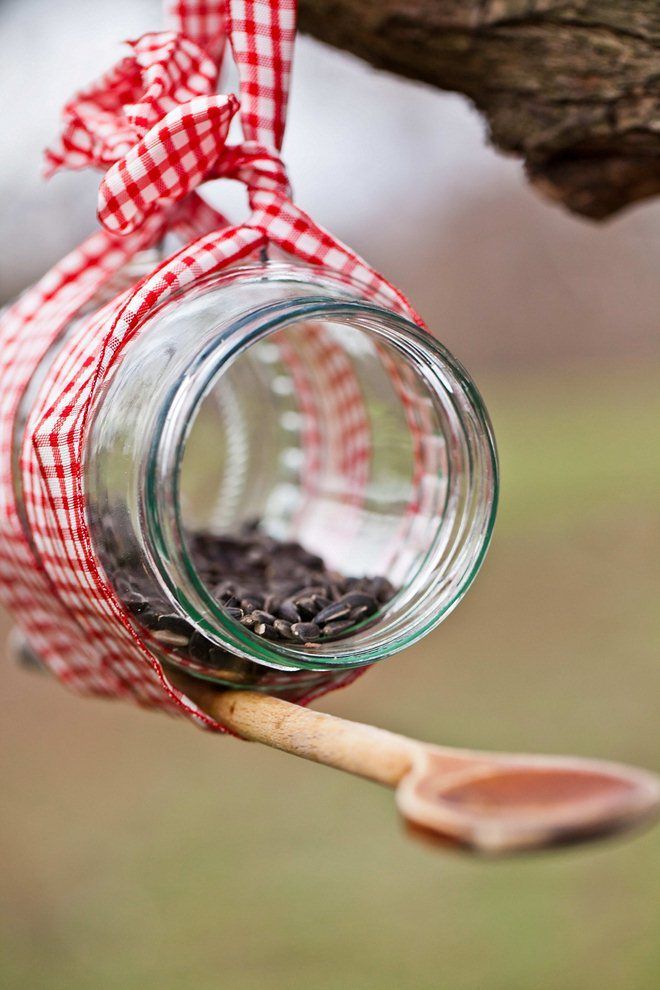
344 429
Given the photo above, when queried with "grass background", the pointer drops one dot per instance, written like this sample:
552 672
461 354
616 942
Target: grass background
138 851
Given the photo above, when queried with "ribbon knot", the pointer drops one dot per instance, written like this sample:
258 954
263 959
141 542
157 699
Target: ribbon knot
154 122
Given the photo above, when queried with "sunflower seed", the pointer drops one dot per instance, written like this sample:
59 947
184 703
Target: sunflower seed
360 598
335 611
289 612
336 628
307 632
262 616
283 628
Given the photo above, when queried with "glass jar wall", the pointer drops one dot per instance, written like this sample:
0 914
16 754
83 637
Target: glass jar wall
284 480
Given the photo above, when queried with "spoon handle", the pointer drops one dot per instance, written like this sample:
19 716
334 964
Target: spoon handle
363 750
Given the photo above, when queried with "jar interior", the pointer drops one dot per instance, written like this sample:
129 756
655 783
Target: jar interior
325 438
347 440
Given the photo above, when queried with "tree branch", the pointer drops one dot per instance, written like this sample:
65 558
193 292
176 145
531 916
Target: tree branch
571 87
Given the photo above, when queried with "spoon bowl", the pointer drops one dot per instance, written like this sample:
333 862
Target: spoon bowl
495 803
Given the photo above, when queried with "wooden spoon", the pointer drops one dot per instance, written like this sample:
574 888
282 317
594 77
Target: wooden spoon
488 802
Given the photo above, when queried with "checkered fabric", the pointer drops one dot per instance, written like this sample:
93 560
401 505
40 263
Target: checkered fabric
157 128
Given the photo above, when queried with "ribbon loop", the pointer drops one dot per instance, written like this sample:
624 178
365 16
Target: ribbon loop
173 158
103 121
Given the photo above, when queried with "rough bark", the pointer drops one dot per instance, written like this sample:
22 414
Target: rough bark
572 87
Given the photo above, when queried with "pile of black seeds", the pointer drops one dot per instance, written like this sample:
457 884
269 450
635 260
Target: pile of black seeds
281 591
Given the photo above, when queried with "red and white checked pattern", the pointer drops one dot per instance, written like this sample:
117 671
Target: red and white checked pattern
421 510
335 435
106 119
190 140
154 122
203 20
262 37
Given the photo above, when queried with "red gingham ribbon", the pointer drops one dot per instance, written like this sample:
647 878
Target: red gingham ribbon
155 123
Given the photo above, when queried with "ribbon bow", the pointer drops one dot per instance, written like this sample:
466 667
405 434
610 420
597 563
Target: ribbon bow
157 127
156 124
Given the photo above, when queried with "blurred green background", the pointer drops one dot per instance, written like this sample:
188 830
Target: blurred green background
139 852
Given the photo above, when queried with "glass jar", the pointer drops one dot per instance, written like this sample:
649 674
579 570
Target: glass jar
272 423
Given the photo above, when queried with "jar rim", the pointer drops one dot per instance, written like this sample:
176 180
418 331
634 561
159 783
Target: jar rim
163 477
